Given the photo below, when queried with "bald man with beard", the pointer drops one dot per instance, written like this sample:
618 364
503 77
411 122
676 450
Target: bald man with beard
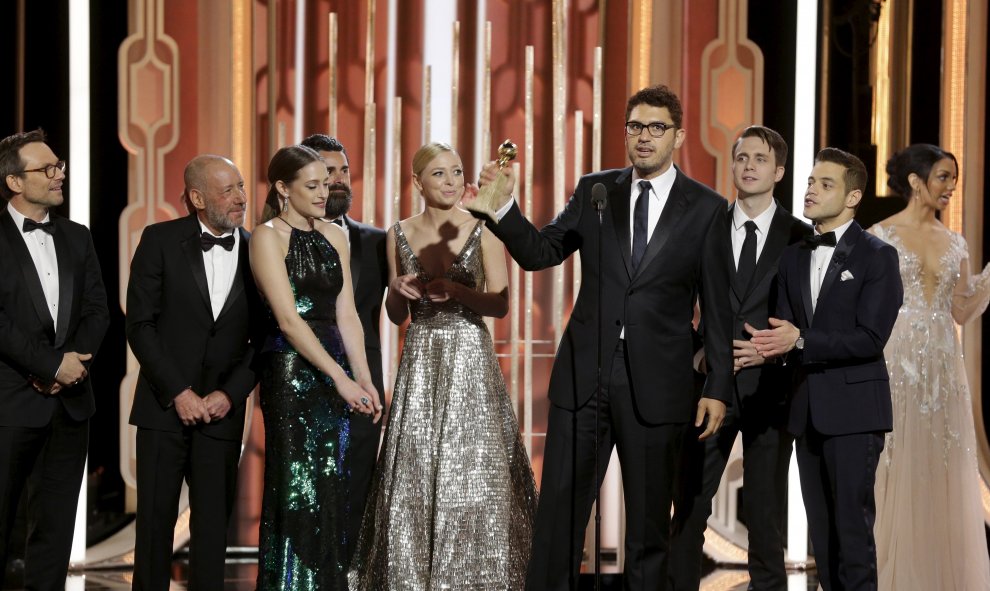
192 308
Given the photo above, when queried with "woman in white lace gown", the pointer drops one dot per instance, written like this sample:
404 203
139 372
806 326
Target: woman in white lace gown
930 524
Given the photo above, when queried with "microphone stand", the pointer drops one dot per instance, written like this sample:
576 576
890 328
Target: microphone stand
598 201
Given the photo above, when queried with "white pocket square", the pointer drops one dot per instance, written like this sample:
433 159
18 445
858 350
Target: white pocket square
845 276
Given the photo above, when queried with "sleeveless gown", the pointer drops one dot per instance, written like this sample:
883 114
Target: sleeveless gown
930 524
453 497
302 545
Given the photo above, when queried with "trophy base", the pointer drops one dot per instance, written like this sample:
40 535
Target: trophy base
486 203
482 212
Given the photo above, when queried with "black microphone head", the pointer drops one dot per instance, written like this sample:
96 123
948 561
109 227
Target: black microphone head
598 196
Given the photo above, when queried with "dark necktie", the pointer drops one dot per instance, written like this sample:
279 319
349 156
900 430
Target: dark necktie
816 240
30 225
747 258
208 241
641 216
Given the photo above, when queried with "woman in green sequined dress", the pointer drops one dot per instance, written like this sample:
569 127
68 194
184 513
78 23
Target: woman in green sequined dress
314 379
453 496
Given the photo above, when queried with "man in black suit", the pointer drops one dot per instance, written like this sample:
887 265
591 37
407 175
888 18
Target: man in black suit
662 244
192 307
758 229
53 315
839 293
369 275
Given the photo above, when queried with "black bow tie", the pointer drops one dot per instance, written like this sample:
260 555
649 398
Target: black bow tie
209 241
338 221
826 239
31 225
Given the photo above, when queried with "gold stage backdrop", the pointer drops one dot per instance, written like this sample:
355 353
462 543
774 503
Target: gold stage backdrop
244 77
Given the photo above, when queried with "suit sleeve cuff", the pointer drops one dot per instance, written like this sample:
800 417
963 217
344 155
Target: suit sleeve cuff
500 213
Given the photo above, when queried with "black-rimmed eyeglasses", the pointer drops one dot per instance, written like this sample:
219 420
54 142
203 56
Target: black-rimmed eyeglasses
50 169
656 128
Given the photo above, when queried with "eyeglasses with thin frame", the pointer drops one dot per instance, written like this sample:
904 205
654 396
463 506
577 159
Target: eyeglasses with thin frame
656 128
50 169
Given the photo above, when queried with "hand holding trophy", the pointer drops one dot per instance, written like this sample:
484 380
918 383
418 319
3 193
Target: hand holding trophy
490 196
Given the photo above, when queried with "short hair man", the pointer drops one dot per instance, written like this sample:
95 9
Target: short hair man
191 308
759 229
53 315
369 276
838 297
663 243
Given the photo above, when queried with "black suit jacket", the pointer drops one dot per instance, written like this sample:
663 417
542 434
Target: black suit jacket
369 277
685 258
30 344
171 330
763 387
842 382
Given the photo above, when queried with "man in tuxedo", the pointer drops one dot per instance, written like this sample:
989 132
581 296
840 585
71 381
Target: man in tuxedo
758 229
369 276
53 315
192 306
662 243
838 297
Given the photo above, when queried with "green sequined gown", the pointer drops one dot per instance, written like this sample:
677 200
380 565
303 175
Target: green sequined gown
302 544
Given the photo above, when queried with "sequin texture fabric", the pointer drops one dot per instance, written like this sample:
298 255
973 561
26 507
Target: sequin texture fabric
929 527
302 545
453 497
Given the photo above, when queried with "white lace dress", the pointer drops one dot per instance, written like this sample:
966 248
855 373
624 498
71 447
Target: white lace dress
930 522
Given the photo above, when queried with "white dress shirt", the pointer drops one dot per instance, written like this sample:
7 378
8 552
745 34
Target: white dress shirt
41 245
660 191
221 266
821 257
738 235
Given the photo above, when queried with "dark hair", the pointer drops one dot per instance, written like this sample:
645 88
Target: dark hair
322 142
854 178
285 167
10 156
657 96
918 159
770 137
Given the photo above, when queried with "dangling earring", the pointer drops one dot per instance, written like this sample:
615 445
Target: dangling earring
285 202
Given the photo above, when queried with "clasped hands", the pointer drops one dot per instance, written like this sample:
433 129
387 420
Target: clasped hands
70 372
192 408
771 342
412 287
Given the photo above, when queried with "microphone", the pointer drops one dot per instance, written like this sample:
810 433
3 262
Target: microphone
598 197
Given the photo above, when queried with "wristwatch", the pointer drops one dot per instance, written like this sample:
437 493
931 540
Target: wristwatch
799 343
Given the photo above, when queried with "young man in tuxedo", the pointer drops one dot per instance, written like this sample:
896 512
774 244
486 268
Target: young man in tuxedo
369 275
662 244
759 229
838 297
192 307
53 315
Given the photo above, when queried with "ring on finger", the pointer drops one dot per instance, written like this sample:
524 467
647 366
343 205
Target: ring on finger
364 400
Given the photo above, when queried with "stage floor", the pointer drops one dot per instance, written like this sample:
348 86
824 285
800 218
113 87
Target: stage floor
240 576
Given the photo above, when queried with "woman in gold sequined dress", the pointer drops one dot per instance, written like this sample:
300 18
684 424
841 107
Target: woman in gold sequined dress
929 526
453 496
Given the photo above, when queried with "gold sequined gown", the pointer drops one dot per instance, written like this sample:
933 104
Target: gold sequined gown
453 497
929 528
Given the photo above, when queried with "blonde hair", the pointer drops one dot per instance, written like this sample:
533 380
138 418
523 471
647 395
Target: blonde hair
427 153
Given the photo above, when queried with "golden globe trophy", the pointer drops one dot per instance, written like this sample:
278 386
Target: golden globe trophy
489 196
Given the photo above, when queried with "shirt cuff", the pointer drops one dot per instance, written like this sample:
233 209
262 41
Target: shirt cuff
500 213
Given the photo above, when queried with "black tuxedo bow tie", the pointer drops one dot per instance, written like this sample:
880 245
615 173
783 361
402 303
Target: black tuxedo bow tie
30 225
209 241
826 239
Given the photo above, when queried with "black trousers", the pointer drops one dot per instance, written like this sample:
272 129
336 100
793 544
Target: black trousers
209 466
363 453
49 462
648 455
837 478
766 453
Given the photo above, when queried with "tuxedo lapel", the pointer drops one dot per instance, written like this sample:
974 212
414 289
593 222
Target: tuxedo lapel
28 271
354 236
243 266
618 200
804 276
673 211
193 250
842 251
777 238
65 279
